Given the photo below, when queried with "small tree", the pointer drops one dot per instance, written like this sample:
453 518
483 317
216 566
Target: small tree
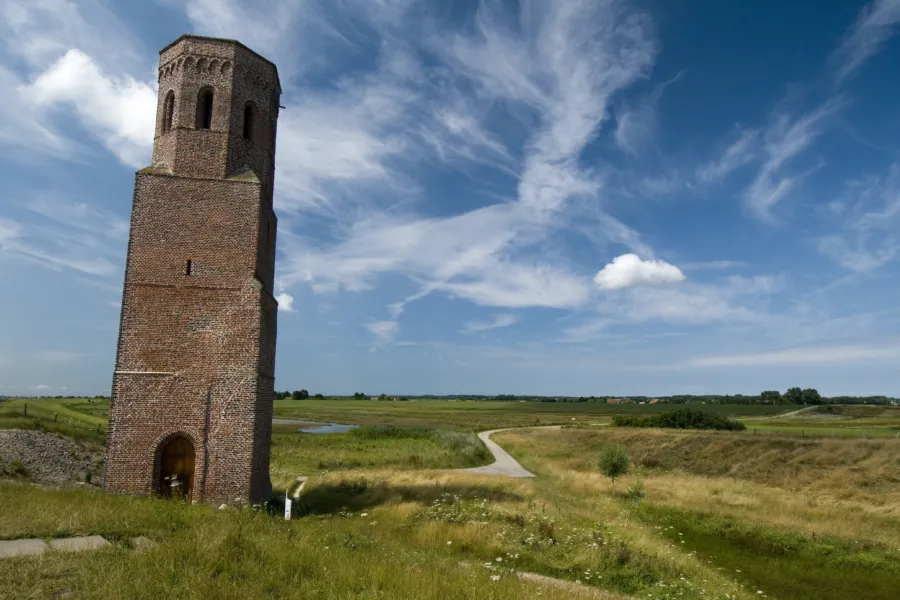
614 462
811 396
794 396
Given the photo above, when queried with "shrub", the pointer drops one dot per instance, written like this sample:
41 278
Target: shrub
636 493
683 418
614 462
17 468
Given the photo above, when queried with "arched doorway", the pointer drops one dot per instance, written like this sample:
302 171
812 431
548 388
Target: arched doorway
176 469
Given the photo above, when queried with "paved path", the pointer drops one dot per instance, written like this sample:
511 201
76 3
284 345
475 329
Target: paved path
503 464
31 547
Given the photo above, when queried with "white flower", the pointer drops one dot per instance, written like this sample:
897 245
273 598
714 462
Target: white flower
495 578
364 514
499 559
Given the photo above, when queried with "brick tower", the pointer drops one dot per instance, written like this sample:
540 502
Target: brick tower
191 409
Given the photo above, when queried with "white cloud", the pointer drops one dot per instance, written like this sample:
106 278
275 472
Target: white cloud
285 302
121 112
47 38
503 320
877 22
629 270
39 387
808 355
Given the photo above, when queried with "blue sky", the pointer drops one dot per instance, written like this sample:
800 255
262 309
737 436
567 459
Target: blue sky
580 197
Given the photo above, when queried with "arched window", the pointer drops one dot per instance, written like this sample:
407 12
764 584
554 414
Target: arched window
168 112
205 109
249 118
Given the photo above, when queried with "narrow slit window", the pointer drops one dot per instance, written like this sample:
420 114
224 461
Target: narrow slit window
168 111
189 268
249 117
205 109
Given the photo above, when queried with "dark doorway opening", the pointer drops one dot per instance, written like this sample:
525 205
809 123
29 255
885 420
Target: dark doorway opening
176 469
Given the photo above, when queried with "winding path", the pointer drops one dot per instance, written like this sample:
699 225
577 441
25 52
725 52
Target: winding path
503 464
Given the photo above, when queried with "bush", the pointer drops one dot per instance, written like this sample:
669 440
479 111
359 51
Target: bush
683 418
636 493
614 462
16 469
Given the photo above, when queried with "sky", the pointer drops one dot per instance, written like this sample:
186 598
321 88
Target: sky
567 197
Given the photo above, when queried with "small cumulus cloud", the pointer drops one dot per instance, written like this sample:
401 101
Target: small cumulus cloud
285 302
629 270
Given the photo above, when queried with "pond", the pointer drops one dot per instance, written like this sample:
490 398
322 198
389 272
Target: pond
329 428
315 426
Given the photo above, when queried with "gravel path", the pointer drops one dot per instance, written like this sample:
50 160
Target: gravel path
503 464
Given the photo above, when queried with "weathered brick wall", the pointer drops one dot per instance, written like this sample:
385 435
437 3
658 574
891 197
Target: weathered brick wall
197 345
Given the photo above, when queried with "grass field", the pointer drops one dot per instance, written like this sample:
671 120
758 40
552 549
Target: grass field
727 515
480 416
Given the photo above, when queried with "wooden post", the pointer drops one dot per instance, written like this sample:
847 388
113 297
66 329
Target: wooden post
55 417
98 427
25 406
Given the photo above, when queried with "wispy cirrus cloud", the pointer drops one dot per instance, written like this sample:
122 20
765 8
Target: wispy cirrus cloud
499 321
868 222
560 67
844 355
784 141
876 24
740 152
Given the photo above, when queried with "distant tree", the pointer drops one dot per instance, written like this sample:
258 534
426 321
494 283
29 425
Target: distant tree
382 397
304 394
359 396
811 396
793 396
614 462
300 395
319 397
770 397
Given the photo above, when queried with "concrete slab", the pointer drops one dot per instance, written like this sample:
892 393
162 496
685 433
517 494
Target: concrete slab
12 548
79 544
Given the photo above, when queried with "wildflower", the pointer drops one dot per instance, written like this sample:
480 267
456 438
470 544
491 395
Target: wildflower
364 514
499 559
495 578
449 542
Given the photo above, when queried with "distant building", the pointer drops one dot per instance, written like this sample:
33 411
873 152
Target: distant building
654 400
614 401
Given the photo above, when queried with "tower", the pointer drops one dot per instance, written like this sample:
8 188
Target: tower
191 408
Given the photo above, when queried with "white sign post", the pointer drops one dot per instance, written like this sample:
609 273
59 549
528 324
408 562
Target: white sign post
287 508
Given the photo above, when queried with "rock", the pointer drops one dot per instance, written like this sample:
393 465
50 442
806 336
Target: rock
142 544
22 548
50 458
79 544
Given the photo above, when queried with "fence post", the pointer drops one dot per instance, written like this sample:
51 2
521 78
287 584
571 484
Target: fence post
25 406
55 417
98 427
